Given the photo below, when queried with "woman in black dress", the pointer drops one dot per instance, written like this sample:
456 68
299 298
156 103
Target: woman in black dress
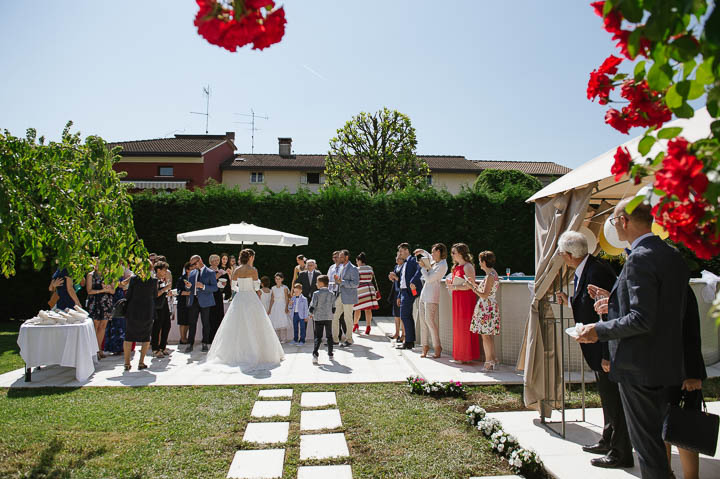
139 316
161 323
100 304
217 312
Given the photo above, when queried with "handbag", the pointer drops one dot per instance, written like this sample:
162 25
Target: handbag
120 309
378 296
691 429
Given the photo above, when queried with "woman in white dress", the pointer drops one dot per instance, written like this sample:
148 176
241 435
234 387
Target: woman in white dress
246 337
279 308
265 294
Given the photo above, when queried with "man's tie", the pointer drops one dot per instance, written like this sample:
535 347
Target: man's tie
197 274
575 283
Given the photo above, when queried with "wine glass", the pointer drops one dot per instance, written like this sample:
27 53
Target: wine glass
507 272
599 297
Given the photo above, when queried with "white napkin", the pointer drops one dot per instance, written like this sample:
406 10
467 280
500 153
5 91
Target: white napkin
711 281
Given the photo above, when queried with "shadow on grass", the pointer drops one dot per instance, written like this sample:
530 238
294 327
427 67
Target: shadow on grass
46 468
21 393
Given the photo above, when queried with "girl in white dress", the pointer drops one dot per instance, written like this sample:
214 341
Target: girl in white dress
246 337
265 294
279 308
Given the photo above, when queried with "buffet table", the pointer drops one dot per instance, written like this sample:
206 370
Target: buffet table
69 345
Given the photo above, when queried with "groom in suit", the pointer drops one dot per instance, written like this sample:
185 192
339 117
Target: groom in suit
308 279
645 332
615 442
203 284
410 280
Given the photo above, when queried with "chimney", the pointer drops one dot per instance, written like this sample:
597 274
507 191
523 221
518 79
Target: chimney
285 147
230 135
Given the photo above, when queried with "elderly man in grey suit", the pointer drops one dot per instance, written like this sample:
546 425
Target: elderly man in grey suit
645 332
347 278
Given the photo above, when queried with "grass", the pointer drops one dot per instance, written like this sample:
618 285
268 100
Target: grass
9 350
194 432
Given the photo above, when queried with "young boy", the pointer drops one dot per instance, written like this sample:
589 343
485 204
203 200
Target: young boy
299 309
322 308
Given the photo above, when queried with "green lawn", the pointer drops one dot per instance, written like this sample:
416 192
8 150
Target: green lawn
9 350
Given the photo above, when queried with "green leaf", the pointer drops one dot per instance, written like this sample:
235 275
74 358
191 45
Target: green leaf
715 129
645 144
669 133
688 67
639 72
609 4
632 10
683 111
690 89
704 73
619 77
713 101
659 54
684 49
634 42
673 98
712 27
634 203
659 76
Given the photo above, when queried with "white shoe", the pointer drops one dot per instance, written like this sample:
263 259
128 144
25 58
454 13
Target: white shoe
315 360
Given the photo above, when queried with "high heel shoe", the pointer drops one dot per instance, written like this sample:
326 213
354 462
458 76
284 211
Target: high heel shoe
489 366
367 330
127 367
356 326
425 351
438 351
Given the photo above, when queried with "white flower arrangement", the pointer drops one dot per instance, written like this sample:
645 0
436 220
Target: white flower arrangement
474 414
488 426
525 461
503 442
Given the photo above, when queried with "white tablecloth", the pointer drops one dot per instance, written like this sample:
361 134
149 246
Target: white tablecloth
70 345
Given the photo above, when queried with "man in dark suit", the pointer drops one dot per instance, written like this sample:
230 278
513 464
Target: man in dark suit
410 280
615 441
646 308
202 283
308 279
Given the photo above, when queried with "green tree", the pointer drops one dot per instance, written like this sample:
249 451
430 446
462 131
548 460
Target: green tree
496 181
376 152
64 199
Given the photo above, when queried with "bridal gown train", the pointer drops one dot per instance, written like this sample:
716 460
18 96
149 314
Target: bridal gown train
246 337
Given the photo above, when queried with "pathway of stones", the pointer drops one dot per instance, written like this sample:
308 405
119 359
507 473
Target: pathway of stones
319 413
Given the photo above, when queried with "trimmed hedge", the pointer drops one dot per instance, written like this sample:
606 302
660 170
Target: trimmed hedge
332 219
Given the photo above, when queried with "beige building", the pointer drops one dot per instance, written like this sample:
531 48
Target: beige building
291 172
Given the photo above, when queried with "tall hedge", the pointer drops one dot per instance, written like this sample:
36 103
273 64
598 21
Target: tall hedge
332 219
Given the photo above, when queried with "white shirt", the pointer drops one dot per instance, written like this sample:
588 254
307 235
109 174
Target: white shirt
403 284
579 271
639 239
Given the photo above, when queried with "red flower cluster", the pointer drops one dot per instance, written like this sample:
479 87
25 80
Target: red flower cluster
612 24
646 108
623 160
682 172
685 223
600 84
219 25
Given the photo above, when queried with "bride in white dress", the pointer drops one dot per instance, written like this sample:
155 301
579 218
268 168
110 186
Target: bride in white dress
246 337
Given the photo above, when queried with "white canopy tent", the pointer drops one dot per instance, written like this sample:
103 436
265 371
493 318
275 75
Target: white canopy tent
242 233
584 194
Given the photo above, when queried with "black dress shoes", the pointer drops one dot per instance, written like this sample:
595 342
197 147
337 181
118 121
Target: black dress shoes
408 346
599 448
612 462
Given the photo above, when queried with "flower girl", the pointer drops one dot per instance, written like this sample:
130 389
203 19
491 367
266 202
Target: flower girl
279 308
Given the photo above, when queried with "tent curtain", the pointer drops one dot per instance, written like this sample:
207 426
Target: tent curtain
553 216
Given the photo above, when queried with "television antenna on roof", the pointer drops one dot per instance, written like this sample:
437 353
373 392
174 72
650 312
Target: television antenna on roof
253 115
206 92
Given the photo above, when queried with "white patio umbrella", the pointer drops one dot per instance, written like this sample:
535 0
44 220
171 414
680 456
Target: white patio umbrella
243 233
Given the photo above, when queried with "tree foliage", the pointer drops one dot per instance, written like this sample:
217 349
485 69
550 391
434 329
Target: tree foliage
376 152
496 181
63 199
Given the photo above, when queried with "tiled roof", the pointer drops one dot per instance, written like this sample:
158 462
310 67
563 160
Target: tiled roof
181 145
529 167
317 162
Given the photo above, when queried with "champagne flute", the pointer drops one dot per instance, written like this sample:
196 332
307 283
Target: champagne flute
599 297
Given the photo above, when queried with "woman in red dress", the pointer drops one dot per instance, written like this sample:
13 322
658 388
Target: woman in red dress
466 345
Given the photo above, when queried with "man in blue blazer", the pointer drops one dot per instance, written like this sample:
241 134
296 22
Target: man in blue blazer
645 311
410 280
202 284
347 279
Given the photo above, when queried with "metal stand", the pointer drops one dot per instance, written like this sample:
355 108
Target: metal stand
550 325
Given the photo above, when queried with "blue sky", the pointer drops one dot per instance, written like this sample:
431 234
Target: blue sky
497 80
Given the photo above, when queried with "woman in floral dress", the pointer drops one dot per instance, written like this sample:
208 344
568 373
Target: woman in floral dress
100 304
486 318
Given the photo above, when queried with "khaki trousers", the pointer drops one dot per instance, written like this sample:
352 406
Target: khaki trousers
346 310
428 314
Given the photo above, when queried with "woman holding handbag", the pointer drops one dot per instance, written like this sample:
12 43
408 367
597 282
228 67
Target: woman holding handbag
367 293
434 266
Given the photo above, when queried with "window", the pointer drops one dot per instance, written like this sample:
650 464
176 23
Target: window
257 177
313 178
165 171
429 180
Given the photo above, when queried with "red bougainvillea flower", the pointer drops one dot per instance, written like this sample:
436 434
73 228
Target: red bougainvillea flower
274 26
617 120
682 172
220 26
623 160
258 4
685 223
600 84
612 21
646 106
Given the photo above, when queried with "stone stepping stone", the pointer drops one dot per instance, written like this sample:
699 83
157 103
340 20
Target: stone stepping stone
317 399
260 464
276 393
324 472
320 419
266 432
271 408
323 446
